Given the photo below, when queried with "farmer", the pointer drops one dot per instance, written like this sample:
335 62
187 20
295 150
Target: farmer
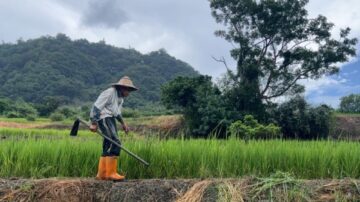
106 109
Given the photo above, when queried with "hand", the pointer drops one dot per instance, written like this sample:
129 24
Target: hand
93 127
125 128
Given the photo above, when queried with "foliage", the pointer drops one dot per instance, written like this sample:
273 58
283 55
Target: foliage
276 44
39 157
320 121
56 116
5 104
251 129
201 103
30 117
297 119
54 71
350 104
17 109
13 114
85 111
155 109
127 113
68 112
49 104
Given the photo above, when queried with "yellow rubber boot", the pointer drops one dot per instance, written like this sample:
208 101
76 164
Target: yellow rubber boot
101 174
111 169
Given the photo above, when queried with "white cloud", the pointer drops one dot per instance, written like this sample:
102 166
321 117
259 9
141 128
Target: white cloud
328 90
184 28
317 86
29 19
342 13
333 101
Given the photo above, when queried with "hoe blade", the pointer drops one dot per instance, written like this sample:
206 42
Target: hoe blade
75 128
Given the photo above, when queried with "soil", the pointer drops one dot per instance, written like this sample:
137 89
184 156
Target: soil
245 189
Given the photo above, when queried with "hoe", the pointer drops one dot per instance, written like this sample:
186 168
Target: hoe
75 129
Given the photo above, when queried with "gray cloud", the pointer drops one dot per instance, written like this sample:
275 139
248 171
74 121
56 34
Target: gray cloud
184 28
104 13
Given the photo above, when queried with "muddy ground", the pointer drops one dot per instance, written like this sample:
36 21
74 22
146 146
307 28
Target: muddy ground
245 189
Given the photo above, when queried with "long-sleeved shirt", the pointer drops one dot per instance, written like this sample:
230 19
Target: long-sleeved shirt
108 104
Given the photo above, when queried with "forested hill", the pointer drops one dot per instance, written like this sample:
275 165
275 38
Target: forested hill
76 70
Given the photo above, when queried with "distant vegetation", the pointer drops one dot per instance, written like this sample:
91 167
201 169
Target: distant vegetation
276 44
208 112
350 104
51 71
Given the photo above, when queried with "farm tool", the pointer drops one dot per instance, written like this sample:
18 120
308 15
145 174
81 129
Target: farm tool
75 128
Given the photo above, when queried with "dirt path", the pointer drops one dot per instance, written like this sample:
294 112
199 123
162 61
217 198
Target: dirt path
247 189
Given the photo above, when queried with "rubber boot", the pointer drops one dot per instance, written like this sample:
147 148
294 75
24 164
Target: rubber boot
111 169
101 174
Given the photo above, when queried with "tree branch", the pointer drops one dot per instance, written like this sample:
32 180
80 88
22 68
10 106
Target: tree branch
222 60
289 86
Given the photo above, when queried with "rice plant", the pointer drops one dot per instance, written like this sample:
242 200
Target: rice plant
196 158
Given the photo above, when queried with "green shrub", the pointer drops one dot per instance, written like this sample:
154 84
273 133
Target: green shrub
12 114
25 109
251 129
130 113
17 108
68 112
350 104
30 118
299 120
5 104
201 103
57 117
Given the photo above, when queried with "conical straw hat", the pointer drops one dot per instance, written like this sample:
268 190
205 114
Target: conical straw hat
126 82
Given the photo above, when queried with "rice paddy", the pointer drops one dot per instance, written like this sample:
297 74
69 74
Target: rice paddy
66 156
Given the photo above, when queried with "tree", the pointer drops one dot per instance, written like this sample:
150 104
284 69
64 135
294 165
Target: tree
350 104
49 104
298 119
78 70
200 102
276 45
21 109
5 105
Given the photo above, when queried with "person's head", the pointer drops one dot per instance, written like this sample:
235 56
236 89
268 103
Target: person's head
124 86
123 91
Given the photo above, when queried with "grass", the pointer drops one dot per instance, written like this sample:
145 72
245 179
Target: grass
23 120
145 120
38 133
347 114
74 157
37 120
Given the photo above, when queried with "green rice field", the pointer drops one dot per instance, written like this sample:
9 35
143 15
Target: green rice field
31 153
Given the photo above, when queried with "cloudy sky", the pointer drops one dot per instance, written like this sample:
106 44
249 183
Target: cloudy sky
184 28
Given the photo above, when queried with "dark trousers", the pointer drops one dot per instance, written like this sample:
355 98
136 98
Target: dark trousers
108 128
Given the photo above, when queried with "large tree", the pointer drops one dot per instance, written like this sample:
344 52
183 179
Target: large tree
200 102
276 44
350 103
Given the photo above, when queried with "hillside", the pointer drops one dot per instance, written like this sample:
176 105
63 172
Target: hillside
77 70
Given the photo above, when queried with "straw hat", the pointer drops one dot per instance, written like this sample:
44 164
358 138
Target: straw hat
126 82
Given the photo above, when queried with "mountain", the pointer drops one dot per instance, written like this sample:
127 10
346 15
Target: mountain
77 71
